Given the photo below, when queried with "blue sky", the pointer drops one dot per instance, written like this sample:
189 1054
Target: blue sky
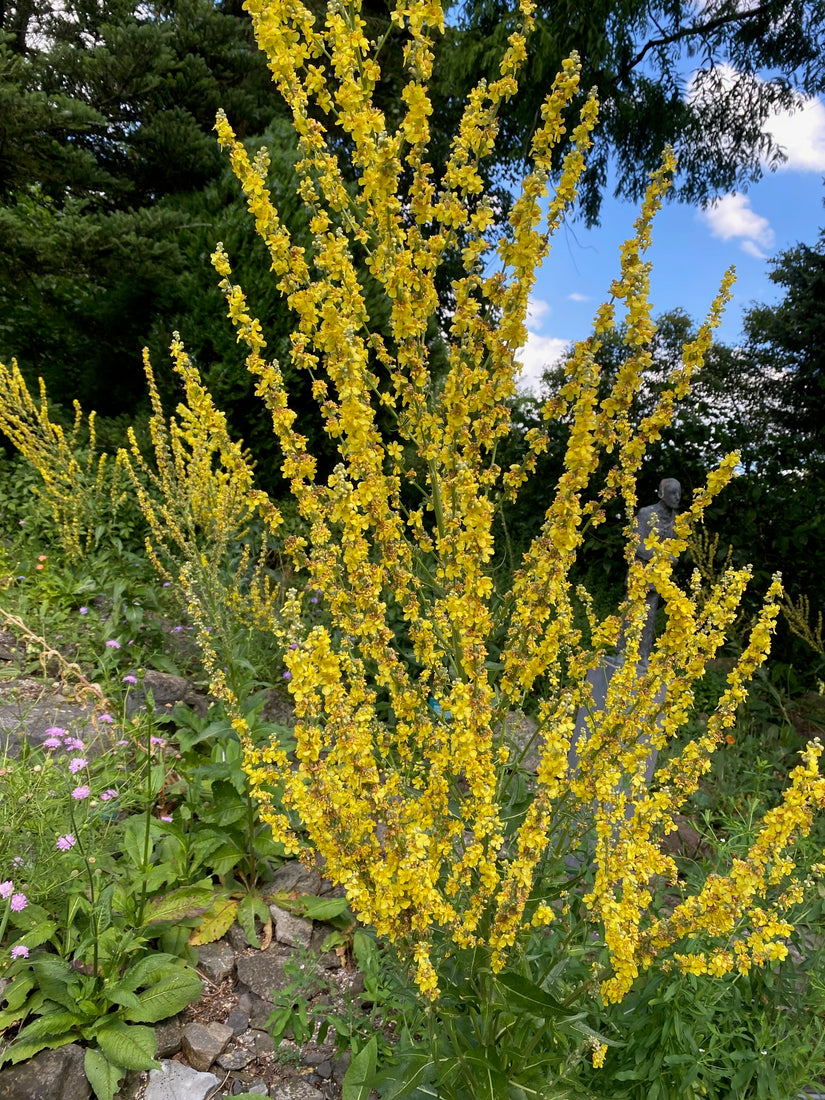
691 247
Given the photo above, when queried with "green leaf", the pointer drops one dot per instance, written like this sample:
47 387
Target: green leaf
118 995
22 1051
228 806
18 990
128 1045
102 1075
167 997
315 908
216 921
358 1081
151 968
51 1025
408 1078
188 901
250 908
521 993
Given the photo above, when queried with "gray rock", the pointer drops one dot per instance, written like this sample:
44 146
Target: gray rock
295 1089
201 1044
237 938
166 690
260 1088
257 1009
50 1075
168 1036
263 1043
238 1020
263 971
237 1058
289 929
295 878
340 1065
216 960
175 1081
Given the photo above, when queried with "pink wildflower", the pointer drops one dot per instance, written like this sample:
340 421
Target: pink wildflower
81 792
108 795
18 902
64 843
112 644
6 888
107 718
130 679
20 952
74 744
52 743
76 763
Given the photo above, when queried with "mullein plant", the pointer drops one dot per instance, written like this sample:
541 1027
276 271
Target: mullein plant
401 774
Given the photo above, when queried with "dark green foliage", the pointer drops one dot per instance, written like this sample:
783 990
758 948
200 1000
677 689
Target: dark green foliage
639 56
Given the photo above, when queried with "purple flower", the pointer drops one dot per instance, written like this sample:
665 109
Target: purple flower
18 861
6 888
294 645
156 741
130 679
122 741
313 599
81 792
287 675
64 843
55 731
108 795
112 644
74 744
76 763
52 743
105 718
83 610
18 903
166 584
165 817
20 952
177 629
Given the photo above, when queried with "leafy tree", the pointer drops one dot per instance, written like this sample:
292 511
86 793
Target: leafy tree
639 55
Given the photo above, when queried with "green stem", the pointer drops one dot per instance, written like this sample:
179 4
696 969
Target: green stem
147 834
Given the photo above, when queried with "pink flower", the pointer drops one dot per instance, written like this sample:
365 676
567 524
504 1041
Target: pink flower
6 888
74 744
130 679
20 952
64 843
122 741
18 902
165 817
55 731
156 741
76 763
83 610
107 718
81 792
52 743
108 795
112 644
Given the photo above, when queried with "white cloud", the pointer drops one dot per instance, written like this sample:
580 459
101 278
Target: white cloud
575 297
732 218
537 310
539 353
801 136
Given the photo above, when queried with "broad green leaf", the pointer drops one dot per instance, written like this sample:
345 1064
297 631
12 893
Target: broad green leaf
250 908
166 998
520 992
128 1045
21 1051
51 1025
18 990
358 1081
151 968
408 1078
215 922
308 905
228 806
119 995
188 901
102 1075
590 1033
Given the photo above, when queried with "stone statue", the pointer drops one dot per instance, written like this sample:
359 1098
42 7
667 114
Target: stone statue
660 517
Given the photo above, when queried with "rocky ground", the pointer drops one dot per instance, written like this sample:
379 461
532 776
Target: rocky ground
220 1046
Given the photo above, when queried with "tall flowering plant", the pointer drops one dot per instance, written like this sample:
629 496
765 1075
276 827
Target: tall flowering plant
403 775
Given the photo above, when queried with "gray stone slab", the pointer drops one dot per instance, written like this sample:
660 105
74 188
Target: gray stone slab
175 1081
50 1075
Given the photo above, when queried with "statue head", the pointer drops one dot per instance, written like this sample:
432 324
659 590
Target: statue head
670 492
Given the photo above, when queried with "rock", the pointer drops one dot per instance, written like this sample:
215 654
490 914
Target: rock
216 960
263 1043
259 1088
264 972
324 1069
166 690
238 1021
289 929
294 878
237 938
295 1089
327 960
237 1058
340 1065
175 1081
168 1036
257 1009
201 1044
50 1075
